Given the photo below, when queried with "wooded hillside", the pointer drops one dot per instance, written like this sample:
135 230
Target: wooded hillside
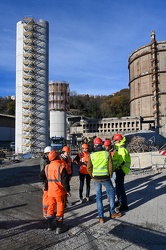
115 105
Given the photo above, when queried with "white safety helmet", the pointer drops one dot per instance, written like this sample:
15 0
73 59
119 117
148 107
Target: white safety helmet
47 149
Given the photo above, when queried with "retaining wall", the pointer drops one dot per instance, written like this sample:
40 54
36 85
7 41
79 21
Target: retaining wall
147 159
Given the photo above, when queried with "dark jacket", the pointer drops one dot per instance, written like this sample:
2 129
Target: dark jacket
42 177
43 162
65 180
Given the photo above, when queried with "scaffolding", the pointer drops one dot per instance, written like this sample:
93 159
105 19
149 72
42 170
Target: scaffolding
34 90
154 77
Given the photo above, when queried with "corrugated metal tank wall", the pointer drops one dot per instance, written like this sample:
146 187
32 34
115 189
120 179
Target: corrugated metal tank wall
147 82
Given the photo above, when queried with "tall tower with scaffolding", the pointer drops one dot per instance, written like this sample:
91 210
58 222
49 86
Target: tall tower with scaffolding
58 106
31 130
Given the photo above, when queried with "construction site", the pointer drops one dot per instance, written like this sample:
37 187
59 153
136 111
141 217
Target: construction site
42 106
39 105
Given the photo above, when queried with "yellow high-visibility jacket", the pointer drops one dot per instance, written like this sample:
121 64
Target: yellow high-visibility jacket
121 158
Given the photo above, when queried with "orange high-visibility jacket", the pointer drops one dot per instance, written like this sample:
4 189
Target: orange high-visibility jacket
53 173
83 162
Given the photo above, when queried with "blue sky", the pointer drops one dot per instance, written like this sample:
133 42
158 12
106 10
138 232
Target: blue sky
89 41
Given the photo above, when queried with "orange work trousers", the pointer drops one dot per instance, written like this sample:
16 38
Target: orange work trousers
45 202
58 203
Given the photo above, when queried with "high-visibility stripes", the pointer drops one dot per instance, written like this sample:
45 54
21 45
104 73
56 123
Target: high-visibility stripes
59 174
100 163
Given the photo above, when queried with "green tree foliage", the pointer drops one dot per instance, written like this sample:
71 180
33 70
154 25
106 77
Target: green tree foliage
7 106
115 105
11 107
118 104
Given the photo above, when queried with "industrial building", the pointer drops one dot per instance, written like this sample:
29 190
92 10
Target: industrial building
7 130
106 127
31 129
58 106
147 82
38 102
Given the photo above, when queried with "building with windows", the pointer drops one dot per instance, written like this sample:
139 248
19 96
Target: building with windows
106 127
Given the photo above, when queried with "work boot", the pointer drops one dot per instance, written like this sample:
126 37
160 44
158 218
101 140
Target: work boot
101 220
115 215
61 228
50 224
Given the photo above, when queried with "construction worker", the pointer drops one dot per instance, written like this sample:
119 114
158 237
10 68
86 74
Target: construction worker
100 168
121 166
58 187
108 147
82 159
65 157
44 161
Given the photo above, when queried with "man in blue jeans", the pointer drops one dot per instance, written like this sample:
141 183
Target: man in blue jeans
100 169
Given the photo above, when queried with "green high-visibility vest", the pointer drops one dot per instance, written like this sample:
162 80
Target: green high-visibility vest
121 158
100 161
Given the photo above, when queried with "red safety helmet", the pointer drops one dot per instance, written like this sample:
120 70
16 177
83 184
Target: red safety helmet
66 149
107 142
52 155
85 146
117 137
97 141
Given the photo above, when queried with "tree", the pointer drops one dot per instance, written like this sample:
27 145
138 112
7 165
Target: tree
115 105
7 106
11 107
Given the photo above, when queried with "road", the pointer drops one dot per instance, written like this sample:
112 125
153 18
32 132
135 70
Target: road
23 227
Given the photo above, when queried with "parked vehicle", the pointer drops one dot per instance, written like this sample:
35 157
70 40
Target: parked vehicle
57 142
12 146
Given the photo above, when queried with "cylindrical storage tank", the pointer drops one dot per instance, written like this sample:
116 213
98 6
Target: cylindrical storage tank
58 106
31 133
147 82
57 123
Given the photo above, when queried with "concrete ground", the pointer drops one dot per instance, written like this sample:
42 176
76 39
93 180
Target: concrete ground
23 227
